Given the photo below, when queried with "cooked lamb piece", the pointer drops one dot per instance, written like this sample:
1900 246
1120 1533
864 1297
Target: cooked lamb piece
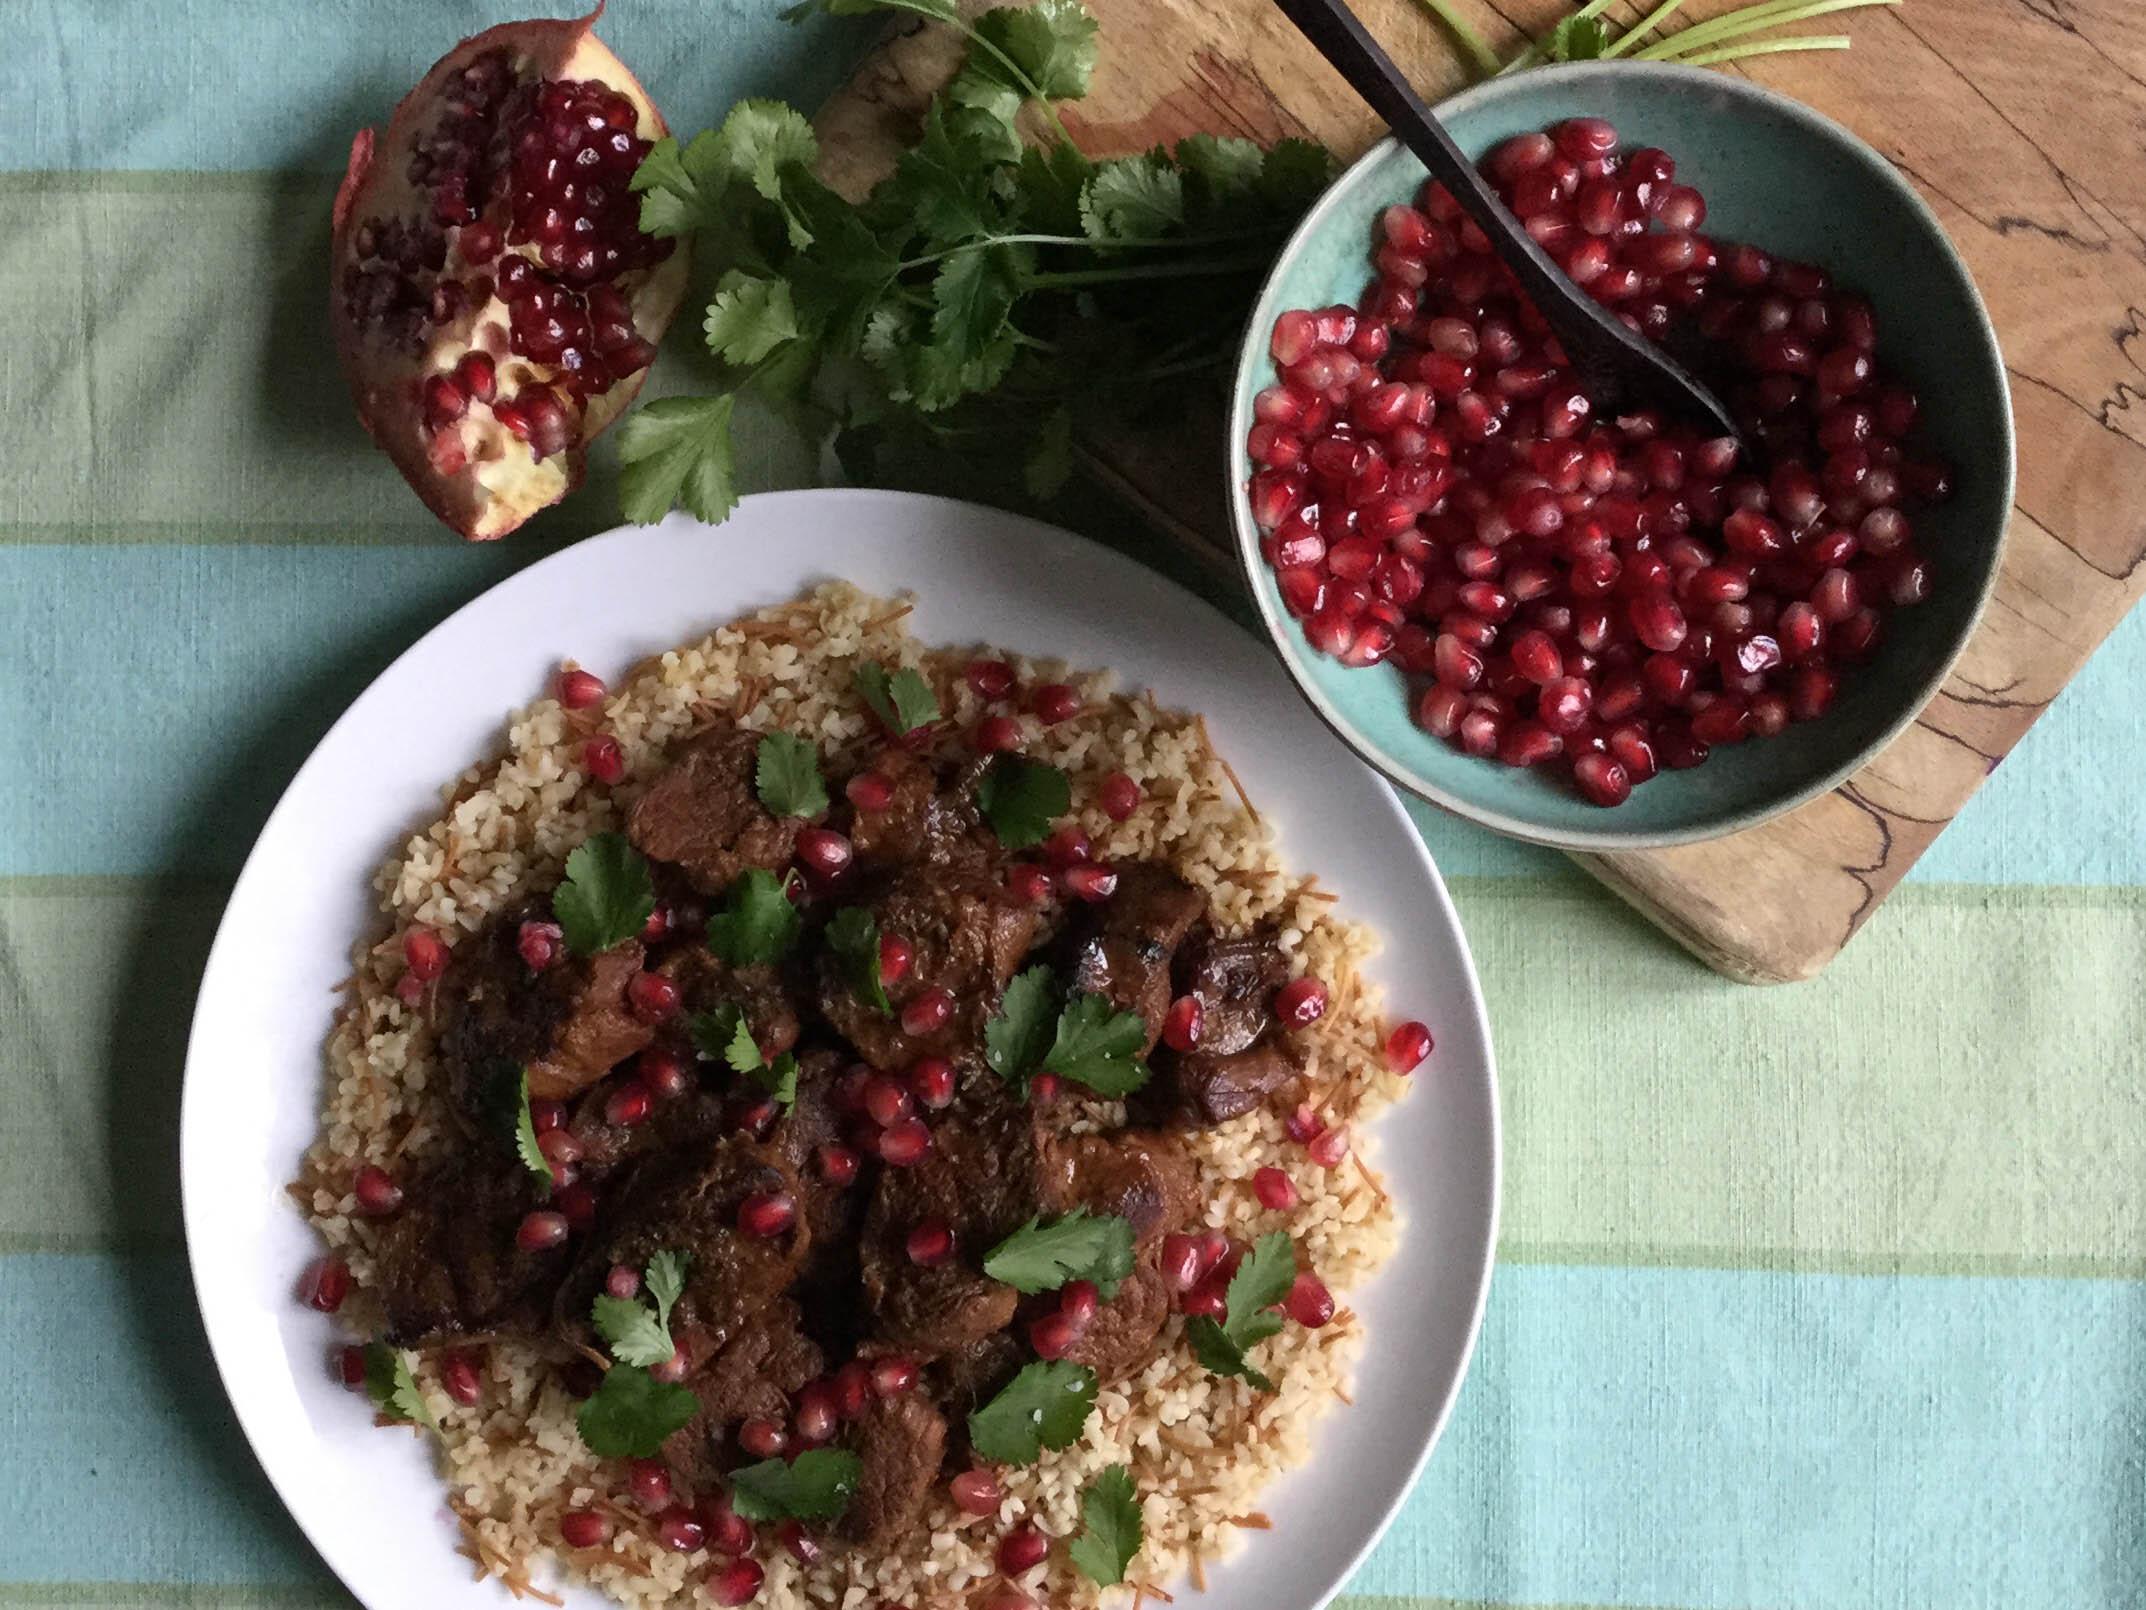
692 1118
703 814
706 981
686 1201
569 1025
1123 950
899 1442
967 936
1200 1089
1139 1175
880 840
753 1376
972 1375
984 1177
1234 980
1122 1334
447 1263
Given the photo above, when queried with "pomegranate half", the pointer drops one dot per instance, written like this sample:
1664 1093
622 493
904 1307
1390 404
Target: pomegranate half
494 301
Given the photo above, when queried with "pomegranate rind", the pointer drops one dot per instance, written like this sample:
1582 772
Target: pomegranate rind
503 485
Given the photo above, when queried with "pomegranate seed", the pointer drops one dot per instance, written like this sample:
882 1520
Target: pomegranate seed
1028 883
621 1282
649 1480
996 735
892 1375
603 760
424 953
652 998
1309 1303
990 680
1119 796
927 1012
325 1284
1052 1335
377 1193
766 1214
540 1231
1009 1598
459 1375
736 1583
578 689
349 1366
837 1164
561 1148
886 1099
540 944
584 1528
679 1531
823 853
869 791
1090 881
853 1388
576 1204
1407 1046
904 1143
629 1104
662 1073
1276 1191
1207 1300
1602 779
1043 1089
1182 1261
1300 1002
931 1081
728 1531
1183 1022
1302 1123
763 1438
816 1414
895 954
1329 1146
1022 1549
1066 847
1055 702
1078 1301
975 1492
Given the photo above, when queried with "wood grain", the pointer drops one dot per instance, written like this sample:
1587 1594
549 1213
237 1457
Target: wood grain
2018 120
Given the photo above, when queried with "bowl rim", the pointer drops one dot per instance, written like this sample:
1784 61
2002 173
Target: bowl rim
1980 336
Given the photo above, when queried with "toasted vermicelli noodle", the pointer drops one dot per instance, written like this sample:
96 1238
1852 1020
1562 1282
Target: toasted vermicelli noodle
1200 1447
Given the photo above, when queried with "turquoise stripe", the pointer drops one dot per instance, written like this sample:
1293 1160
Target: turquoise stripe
258 84
1867 1445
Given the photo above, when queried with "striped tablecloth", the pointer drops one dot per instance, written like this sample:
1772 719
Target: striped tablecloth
1829 1297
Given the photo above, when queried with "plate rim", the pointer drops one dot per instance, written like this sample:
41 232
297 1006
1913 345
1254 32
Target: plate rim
193 1097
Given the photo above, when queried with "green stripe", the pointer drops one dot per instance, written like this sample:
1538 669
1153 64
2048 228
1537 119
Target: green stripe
1655 1116
173 182
168 1596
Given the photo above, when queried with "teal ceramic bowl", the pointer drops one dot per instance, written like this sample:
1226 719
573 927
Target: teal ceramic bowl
1776 174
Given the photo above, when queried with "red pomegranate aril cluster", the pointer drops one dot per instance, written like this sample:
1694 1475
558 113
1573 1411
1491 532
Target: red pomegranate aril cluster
1613 596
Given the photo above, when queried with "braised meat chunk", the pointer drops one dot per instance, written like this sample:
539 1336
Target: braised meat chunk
1123 952
1200 1089
448 1262
752 1376
705 981
568 1024
703 815
1122 1334
1138 1175
1234 981
899 1442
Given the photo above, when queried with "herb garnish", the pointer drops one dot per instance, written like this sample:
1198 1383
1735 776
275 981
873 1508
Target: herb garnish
1111 1528
786 775
1021 799
607 895
391 1386
1043 1407
1583 36
1080 1246
722 1034
632 1412
1086 1039
758 924
903 701
816 1485
853 938
1261 1281
984 290
1016 1039
507 1104
635 1333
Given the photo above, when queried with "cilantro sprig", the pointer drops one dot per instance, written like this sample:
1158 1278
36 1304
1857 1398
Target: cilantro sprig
1111 1528
853 940
757 924
1261 1281
506 1104
902 700
607 895
635 1332
786 775
631 1413
1043 1407
392 1388
1083 1038
987 289
814 1486
1080 1246
721 1034
1021 798
1583 35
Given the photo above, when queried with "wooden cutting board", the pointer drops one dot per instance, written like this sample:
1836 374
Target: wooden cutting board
2018 120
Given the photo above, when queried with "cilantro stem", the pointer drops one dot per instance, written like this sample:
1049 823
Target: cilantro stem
1484 58
1035 91
1531 52
1766 47
1746 20
1630 38
1139 242
1145 271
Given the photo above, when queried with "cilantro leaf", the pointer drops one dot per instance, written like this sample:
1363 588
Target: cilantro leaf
1044 1406
1133 198
1098 1046
676 452
769 146
716 1030
903 702
1294 174
511 1091
680 186
1220 169
722 1034
631 1330
749 318
1047 49
1261 1281
816 1485
632 1412
853 939
1049 464
1017 1038
1577 38
972 294
1111 1528
758 924
1051 179
1021 799
607 895
786 775
1080 1246
665 1278
943 182
391 1386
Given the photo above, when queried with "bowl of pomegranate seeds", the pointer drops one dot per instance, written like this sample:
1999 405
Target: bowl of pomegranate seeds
1610 630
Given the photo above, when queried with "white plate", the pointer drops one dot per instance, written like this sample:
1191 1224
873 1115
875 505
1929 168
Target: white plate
370 1502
